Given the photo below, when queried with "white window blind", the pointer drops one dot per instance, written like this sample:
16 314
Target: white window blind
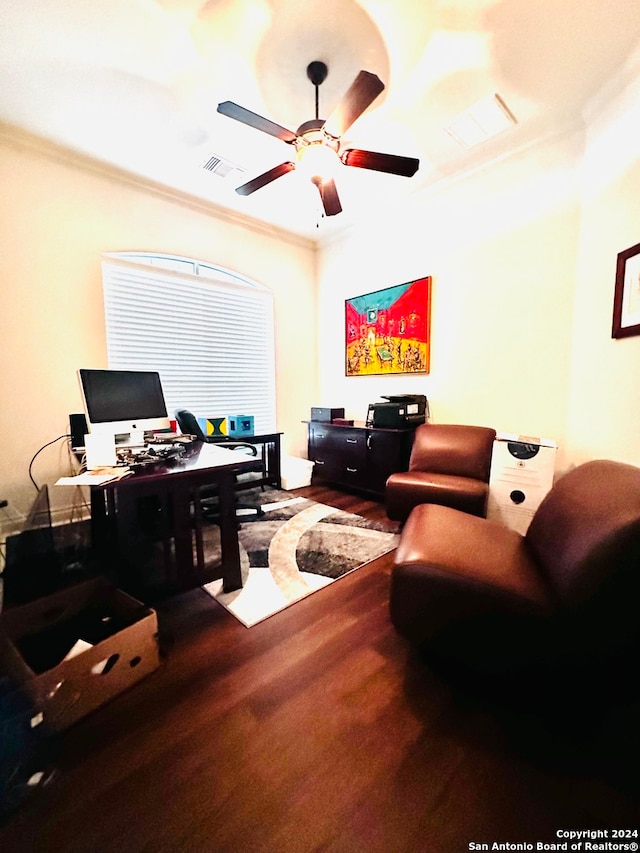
208 332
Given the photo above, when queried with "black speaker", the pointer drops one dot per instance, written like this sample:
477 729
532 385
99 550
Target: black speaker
78 429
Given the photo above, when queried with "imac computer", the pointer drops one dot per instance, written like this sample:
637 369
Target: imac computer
123 403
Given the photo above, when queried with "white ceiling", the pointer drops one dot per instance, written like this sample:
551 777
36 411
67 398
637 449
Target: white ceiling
136 83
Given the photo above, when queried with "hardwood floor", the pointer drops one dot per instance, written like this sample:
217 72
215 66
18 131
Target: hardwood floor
316 730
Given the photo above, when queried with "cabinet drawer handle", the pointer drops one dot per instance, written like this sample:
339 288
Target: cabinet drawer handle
352 470
319 462
320 434
352 441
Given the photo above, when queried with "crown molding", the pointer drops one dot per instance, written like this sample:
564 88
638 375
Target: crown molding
24 140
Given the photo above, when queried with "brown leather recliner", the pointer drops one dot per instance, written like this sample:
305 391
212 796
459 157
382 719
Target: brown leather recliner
564 597
449 465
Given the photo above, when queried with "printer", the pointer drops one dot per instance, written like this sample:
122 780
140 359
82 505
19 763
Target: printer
402 411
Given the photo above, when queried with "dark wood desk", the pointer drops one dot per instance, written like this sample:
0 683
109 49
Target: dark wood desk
154 516
358 456
268 447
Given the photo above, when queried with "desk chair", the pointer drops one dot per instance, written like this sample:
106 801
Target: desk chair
188 424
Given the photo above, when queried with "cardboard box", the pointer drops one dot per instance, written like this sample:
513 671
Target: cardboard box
228 425
213 426
239 425
120 637
28 755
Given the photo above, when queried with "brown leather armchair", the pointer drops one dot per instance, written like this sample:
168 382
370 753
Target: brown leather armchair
563 598
449 465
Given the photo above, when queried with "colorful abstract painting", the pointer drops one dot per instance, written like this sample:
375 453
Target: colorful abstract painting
388 331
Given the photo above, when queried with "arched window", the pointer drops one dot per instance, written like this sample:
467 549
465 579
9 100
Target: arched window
207 330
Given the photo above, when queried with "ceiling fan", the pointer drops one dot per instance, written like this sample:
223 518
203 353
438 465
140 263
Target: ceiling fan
317 142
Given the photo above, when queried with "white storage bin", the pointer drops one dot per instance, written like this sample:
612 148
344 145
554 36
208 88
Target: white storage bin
296 472
522 470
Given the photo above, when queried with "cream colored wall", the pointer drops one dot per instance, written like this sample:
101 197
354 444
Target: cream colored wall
57 220
501 247
604 404
523 257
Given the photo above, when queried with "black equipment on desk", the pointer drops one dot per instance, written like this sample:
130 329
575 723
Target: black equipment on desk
403 411
326 415
78 429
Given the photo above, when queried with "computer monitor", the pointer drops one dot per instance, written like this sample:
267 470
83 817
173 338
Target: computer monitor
122 402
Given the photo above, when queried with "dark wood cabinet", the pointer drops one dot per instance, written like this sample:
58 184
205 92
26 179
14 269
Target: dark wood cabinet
358 457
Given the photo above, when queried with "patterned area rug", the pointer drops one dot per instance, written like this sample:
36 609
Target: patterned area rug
296 548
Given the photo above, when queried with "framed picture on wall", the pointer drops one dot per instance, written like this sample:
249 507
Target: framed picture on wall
626 300
388 331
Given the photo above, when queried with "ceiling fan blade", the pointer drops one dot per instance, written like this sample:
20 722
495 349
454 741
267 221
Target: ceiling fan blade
391 163
329 196
362 92
265 178
231 110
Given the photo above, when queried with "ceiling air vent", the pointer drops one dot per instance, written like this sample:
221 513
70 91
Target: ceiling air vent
216 165
482 121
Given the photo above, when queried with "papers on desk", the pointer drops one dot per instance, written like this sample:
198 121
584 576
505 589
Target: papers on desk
97 477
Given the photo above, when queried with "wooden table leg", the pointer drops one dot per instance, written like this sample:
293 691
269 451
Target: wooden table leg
275 463
230 547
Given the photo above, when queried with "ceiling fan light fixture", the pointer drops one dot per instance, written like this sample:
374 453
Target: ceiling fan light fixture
317 161
317 142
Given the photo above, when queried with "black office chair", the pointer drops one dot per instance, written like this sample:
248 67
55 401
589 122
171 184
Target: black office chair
188 424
